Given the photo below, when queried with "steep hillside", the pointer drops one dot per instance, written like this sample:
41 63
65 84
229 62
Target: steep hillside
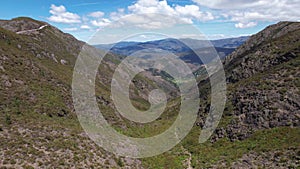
262 110
265 74
38 125
29 65
260 123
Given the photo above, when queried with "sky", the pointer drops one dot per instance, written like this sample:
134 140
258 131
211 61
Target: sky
216 19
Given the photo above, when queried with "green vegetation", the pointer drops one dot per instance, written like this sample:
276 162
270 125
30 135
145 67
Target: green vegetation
38 125
207 154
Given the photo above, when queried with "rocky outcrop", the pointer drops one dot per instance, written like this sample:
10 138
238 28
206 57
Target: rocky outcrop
21 24
264 75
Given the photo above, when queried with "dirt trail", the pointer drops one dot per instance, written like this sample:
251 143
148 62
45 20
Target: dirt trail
188 161
31 30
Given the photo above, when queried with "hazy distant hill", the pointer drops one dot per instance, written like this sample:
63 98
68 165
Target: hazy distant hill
223 46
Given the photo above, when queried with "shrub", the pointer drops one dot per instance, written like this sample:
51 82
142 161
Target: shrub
7 119
120 162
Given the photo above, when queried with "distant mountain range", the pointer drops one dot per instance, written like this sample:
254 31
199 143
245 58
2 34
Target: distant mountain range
177 46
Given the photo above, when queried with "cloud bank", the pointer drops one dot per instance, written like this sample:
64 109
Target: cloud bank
59 14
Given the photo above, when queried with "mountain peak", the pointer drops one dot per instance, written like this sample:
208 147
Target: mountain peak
21 24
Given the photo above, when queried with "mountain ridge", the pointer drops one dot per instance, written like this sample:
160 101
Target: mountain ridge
178 47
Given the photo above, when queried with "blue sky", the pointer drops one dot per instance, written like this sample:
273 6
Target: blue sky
215 18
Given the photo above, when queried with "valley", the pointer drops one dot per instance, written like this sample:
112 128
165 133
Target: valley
39 127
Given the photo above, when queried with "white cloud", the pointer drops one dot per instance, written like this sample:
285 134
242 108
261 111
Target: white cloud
85 27
140 14
187 12
60 15
97 14
100 23
151 6
248 12
230 4
117 15
147 21
193 11
154 14
245 25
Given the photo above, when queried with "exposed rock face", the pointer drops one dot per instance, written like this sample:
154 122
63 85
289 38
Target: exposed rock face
264 79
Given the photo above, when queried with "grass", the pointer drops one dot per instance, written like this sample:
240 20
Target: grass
206 154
